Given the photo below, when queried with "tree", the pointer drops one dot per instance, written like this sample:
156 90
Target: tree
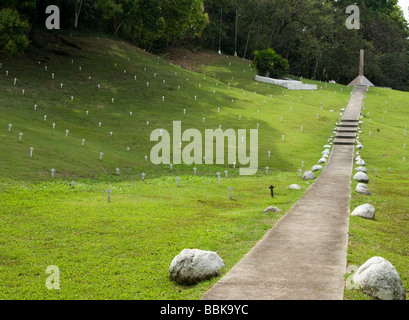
13 32
268 62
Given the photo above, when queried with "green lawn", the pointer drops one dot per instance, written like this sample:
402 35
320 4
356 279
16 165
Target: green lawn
122 249
387 234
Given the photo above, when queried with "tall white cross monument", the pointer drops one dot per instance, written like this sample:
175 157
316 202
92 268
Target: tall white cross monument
361 80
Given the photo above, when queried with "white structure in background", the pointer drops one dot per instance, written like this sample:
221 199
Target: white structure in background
287 83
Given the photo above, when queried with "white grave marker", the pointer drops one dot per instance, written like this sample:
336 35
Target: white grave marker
230 190
218 177
109 194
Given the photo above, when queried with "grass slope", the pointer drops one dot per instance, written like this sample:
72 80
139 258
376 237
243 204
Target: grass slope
122 249
385 120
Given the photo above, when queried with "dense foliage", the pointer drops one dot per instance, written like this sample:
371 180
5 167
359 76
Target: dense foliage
310 34
313 37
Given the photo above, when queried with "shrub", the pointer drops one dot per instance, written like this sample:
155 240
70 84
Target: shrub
13 32
268 62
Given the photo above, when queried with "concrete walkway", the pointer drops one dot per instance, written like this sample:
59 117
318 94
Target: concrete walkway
304 255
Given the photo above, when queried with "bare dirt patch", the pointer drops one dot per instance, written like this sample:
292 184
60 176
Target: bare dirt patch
192 60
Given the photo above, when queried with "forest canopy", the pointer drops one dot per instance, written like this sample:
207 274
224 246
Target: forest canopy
310 34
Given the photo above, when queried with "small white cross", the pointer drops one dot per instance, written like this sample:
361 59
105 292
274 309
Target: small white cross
109 194
218 177
230 189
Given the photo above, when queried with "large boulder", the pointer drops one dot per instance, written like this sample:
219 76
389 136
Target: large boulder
316 168
326 151
379 279
294 187
360 162
361 169
192 266
361 177
308 175
272 209
362 188
366 211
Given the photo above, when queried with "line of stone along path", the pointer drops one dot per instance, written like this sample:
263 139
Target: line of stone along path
304 255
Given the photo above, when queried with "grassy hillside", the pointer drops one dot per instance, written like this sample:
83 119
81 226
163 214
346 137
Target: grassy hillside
122 72
383 135
122 249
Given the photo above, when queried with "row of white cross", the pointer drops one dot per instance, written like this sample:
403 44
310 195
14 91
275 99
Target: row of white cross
147 122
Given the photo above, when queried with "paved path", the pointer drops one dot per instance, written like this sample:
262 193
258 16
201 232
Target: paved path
304 255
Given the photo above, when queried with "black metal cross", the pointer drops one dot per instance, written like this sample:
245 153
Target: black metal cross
272 191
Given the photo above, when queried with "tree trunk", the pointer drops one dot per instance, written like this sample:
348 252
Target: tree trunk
78 5
248 37
315 69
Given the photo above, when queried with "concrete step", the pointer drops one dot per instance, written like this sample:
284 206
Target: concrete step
346 135
347 129
348 125
343 141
